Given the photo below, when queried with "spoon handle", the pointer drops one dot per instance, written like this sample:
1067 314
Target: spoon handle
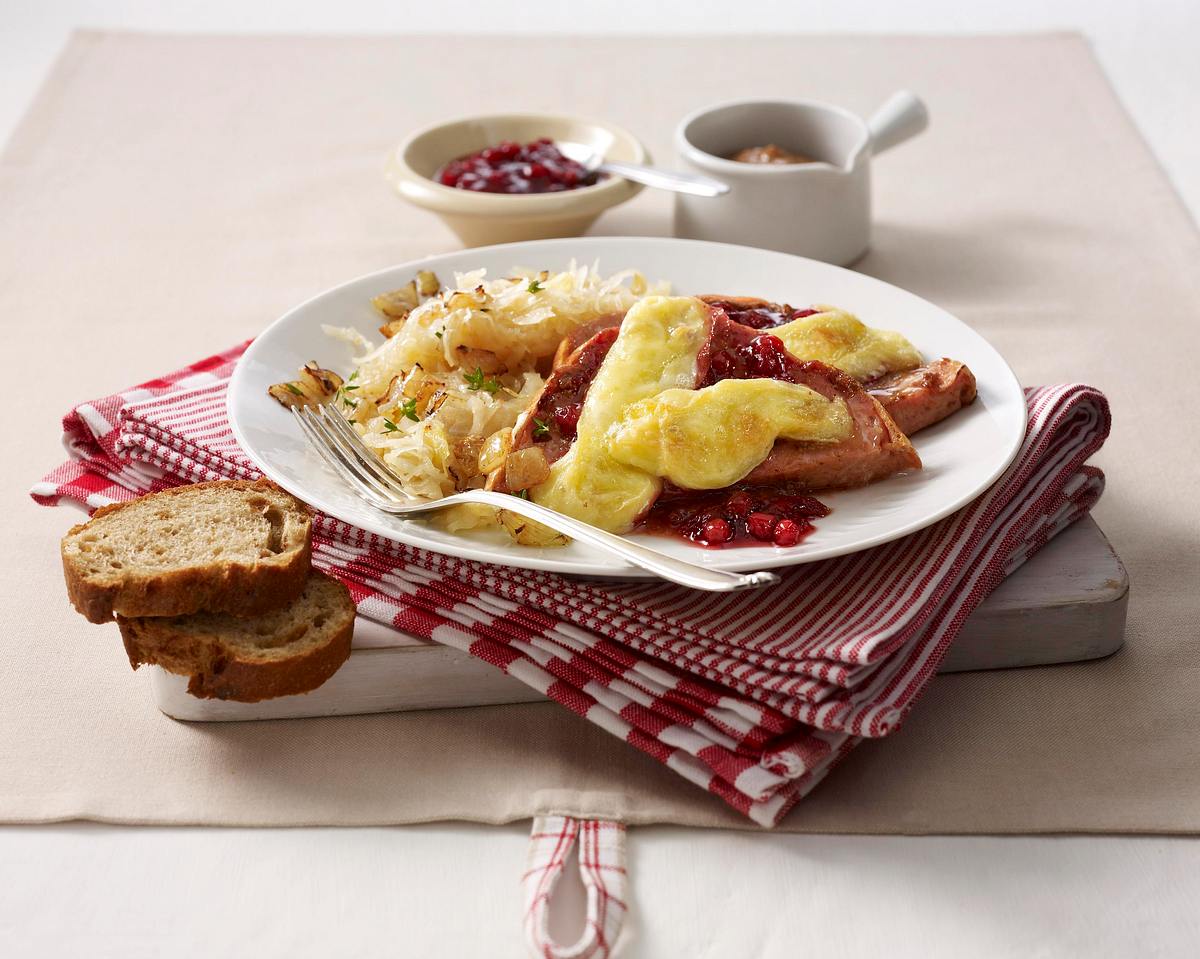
666 179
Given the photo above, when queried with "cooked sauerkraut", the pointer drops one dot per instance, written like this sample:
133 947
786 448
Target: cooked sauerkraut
430 427
509 324
464 365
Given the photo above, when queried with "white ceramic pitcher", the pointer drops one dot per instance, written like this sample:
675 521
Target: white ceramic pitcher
820 209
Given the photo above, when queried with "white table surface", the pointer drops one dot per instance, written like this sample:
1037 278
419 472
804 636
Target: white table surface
449 890
79 889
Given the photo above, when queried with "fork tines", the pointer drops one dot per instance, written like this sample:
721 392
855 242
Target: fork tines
343 450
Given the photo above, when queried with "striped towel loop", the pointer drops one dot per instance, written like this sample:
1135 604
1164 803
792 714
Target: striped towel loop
602 869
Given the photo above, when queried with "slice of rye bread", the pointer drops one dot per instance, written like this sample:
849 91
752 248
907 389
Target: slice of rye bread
248 659
231 546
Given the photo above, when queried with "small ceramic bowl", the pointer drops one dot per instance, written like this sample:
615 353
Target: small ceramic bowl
820 209
481 219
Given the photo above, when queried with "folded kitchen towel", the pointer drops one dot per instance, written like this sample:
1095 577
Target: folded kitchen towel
753 696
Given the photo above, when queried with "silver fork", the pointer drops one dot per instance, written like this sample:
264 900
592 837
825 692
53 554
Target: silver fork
332 436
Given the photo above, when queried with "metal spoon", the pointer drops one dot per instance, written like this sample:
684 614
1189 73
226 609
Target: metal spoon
692 183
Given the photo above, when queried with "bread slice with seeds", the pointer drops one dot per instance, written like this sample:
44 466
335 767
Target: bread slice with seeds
281 653
231 546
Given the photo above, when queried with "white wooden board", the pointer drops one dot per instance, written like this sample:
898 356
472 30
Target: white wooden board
1066 604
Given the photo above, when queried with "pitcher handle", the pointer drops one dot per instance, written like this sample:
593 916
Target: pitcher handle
901 117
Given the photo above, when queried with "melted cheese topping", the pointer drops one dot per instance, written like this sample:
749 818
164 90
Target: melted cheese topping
655 351
711 438
840 339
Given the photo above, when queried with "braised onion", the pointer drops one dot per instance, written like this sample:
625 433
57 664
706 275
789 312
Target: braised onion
525 468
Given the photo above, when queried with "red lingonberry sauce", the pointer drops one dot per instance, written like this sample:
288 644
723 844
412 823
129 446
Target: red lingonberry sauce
509 167
761 316
737 353
741 516
566 418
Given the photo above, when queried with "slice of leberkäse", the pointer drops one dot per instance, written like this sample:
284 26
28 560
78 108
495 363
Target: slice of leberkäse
876 448
926 395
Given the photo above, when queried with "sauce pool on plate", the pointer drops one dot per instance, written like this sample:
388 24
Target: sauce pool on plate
743 516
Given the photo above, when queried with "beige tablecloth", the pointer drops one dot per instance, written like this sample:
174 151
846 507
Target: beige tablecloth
169 196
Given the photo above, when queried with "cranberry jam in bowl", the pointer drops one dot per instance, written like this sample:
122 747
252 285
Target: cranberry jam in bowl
501 178
508 167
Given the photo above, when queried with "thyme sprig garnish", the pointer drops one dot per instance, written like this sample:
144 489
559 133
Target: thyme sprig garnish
480 381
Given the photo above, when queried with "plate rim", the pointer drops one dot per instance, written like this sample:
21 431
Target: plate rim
463 548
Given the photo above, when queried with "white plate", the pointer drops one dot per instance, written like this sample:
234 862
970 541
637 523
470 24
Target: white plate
963 455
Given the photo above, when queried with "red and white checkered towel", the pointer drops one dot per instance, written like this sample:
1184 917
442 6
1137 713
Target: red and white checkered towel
753 696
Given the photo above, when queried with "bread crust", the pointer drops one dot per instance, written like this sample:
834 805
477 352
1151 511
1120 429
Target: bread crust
218 672
222 586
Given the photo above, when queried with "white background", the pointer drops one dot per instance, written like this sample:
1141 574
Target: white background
451 890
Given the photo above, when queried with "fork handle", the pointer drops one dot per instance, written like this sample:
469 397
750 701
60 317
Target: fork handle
660 564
